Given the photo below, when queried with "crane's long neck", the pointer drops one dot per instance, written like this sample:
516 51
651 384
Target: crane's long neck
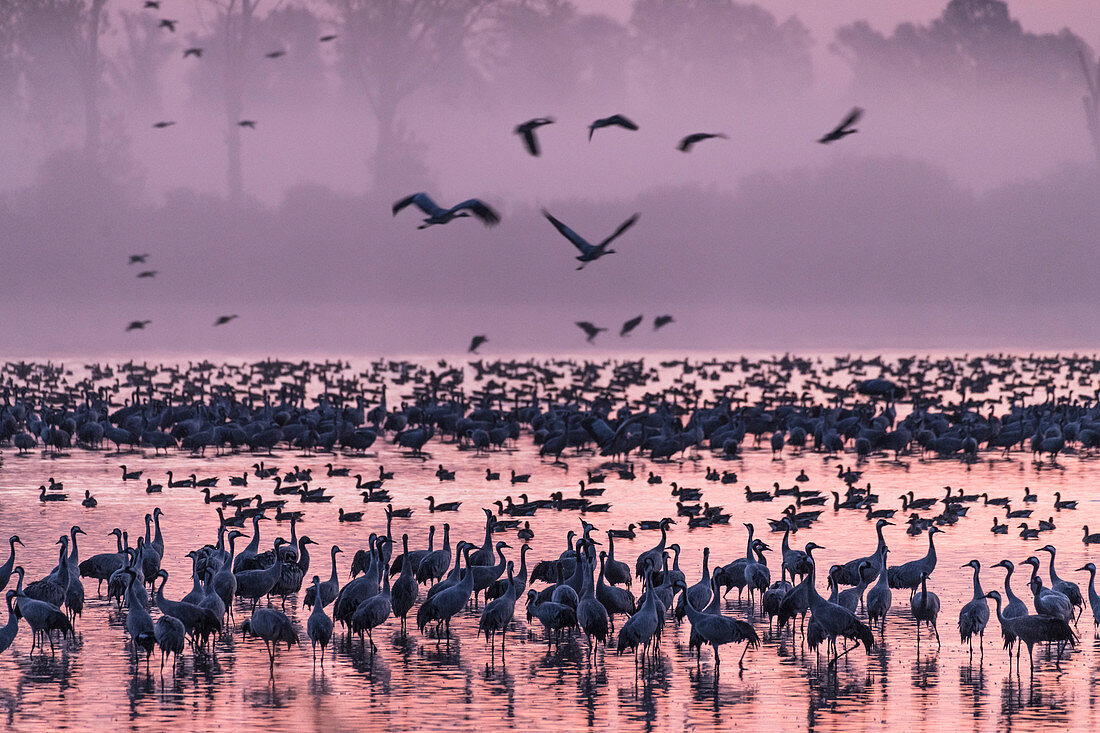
1053 575
931 546
977 585
706 562
254 544
1000 615
333 578
74 555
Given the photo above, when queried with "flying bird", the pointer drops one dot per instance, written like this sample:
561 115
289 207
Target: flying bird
438 215
476 342
275 54
527 130
844 128
660 321
137 325
169 24
148 273
222 320
630 326
162 125
194 51
588 252
698 137
135 259
612 121
152 5
591 329
250 124
326 39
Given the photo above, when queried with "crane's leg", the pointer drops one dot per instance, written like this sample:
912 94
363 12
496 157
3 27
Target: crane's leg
937 633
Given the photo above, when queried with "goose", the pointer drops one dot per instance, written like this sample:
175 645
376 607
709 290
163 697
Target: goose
588 251
436 214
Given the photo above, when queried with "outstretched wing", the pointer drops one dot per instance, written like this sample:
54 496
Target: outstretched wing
851 119
578 241
687 142
621 122
530 141
622 228
422 201
479 209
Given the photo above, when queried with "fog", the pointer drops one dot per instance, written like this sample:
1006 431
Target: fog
962 215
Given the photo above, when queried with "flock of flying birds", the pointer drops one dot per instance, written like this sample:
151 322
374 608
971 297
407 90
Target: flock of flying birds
435 214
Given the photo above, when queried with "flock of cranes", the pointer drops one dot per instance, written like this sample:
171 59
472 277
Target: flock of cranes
583 590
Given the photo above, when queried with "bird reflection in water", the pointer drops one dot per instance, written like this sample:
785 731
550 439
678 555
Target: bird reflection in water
590 689
270 696
926 672
500 682
973 685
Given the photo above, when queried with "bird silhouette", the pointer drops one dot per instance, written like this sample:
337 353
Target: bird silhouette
844 128
137 325
588 252
438 215
222 320
164 124
135 259
527 130
250 124
591 329
612 121
476 342
169 24
630 325
275 54
193 51
148 273
326 39
660 321
688 142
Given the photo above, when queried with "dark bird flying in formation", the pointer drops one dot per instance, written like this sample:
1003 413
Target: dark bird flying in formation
630 325
250 124
844 128
222 320
147 273
527 130
698 137
436 214
591 329
169 24
135 259
612 121
661 321
589 252
137 325
193 51
476 343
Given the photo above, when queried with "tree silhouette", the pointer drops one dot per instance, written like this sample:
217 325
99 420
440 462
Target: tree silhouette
62 62
974 46
719 45
392 49
1091 100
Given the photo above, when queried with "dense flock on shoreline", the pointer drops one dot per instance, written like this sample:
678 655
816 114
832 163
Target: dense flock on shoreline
625 421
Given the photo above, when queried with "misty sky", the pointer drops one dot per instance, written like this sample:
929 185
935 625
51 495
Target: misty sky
963 214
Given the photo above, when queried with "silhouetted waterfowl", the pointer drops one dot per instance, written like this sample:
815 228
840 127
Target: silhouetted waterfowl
588 251
436 214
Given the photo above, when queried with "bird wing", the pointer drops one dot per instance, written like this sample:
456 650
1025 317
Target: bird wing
422 201
479 209
687 142
587 327
578 241
622 228
851 119
621 122
530 141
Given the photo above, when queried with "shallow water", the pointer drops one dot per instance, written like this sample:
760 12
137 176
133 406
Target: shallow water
423 683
